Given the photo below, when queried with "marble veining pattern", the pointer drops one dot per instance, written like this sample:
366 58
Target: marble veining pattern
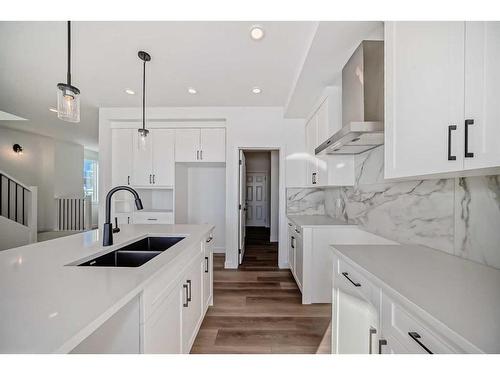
460 216
305 201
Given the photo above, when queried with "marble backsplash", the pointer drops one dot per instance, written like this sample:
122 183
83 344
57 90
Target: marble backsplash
459 215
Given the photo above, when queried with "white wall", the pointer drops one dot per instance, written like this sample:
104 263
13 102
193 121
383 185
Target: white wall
207 200
274 195
37 167
246 127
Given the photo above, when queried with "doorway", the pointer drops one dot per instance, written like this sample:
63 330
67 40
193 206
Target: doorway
258 196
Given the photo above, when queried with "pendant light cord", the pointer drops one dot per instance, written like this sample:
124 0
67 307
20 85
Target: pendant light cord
69 53
144 95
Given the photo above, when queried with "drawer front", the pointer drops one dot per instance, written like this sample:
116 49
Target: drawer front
353 282
412 333
153 218
162 285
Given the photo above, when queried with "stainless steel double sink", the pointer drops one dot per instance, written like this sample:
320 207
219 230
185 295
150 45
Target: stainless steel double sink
134 254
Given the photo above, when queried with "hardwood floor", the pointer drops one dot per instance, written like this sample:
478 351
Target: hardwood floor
258 309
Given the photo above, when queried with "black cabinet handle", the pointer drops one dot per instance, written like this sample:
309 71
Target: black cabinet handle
314 178
154 179
201 154
297 231
467 153
189 294
128 180
150 176
186 304
346 275
291 244
450 156
209 239
206 264
371 332
415 336
380 344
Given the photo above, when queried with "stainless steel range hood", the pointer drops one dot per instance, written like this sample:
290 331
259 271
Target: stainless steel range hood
362 103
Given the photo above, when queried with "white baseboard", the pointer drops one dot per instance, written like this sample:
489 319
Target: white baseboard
219 250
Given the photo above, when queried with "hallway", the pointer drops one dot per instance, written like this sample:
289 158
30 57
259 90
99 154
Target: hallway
257 308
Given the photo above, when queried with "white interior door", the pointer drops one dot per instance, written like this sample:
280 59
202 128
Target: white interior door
242 206
257 199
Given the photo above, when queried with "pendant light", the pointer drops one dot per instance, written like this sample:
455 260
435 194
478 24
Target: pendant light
68 99
145 57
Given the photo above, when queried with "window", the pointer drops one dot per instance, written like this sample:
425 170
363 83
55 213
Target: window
90 168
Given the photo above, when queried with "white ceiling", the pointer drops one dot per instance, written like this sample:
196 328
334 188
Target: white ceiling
217 58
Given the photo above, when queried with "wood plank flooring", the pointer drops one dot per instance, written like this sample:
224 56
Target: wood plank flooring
257 308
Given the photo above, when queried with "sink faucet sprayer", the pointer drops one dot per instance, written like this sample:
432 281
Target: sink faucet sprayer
107 233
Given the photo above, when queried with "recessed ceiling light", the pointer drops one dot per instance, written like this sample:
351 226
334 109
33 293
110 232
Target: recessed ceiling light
257 32
192 90
53 110
130 91
256 90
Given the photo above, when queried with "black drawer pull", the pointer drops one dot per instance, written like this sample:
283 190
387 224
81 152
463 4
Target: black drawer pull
415 336
467 153
450 156
381 342
346 275
189 294
186 304
206 264
292 242
209 239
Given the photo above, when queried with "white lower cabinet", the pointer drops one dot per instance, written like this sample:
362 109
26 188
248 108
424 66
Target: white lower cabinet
174 310
162 330
207 271
368 321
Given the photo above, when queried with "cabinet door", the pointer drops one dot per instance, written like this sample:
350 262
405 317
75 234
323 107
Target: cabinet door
192 313
311 137
121 156
299 260
424 96
207 270
187 145
290 245
163 156
162 330
322 135
142 152
482 94
213 145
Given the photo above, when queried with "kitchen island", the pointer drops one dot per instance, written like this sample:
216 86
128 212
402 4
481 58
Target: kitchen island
48 304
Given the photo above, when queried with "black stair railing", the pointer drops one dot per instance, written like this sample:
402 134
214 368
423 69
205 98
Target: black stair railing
13 198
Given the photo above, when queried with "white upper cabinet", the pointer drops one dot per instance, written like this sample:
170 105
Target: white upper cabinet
442 89
163 157
121 156
311 143
213 145
142 152
153 158
424 98
482 94
187 145
200 145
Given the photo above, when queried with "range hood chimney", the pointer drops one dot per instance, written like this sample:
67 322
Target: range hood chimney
362 103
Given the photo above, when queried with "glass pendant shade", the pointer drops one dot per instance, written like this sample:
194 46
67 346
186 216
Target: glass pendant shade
68 103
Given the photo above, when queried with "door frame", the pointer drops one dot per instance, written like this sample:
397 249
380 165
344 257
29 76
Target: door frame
281 201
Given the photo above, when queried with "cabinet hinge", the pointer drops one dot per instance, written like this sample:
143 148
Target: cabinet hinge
239 251
241 162
239 206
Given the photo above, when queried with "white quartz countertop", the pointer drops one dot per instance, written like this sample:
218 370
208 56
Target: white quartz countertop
315 220
461 294
47 306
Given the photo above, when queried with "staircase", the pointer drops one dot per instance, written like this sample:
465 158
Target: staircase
18 212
